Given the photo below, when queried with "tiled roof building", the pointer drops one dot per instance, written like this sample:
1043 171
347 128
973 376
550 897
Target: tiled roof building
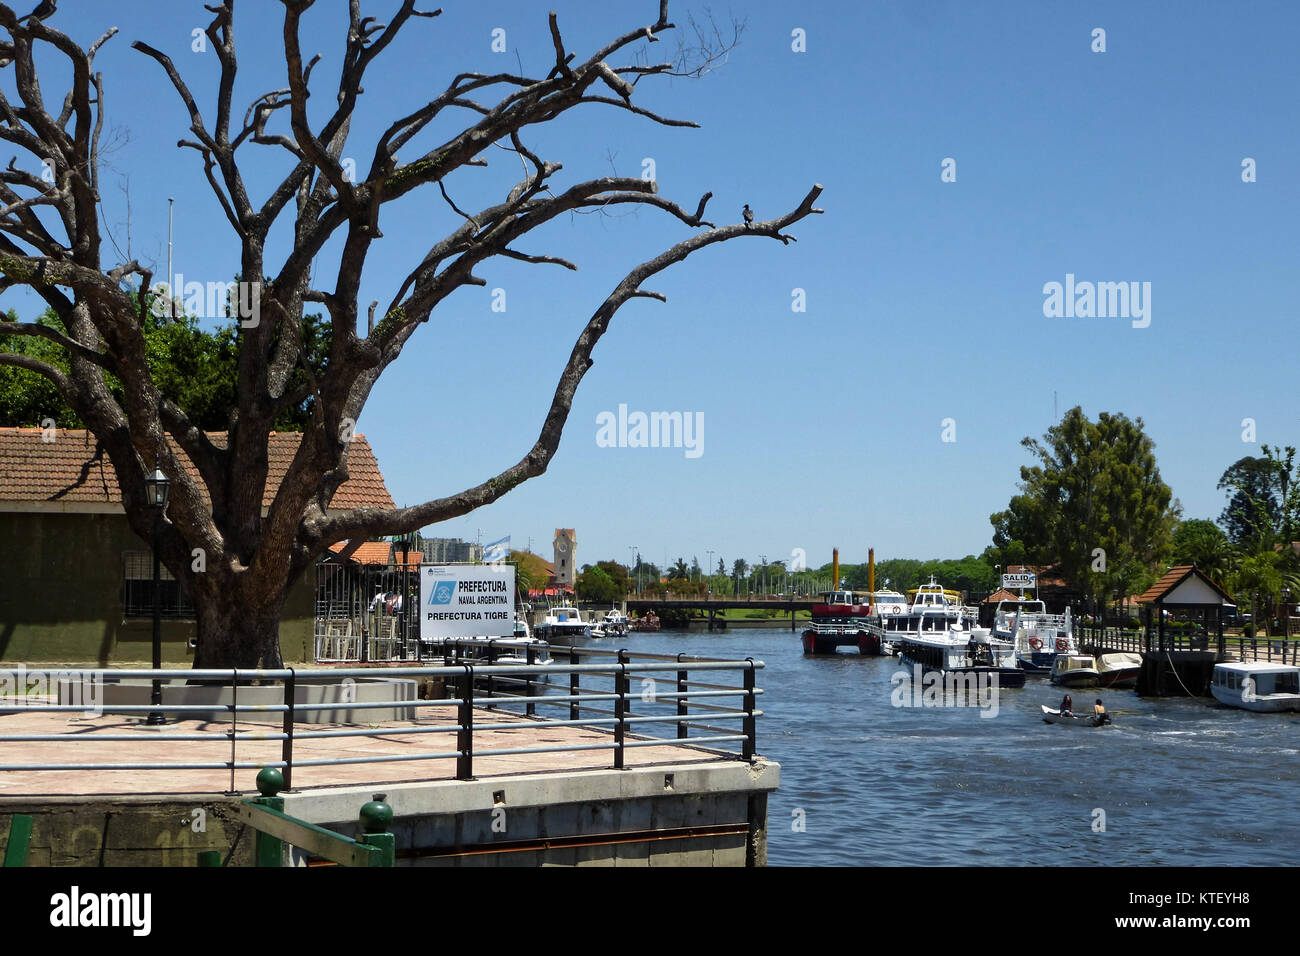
74 469
76 582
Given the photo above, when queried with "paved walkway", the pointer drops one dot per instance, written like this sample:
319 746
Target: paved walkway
150 745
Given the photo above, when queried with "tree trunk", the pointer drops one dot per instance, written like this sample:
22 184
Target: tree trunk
235 631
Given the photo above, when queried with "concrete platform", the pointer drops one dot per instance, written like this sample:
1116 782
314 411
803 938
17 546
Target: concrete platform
147 747
674 805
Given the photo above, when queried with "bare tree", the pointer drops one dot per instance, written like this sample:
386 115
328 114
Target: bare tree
252 559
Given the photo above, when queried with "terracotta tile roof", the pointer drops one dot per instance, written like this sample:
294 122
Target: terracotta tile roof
383 553
368 552
74 468
1001 595
1171 579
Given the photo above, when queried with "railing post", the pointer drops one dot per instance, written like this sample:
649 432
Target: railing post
530 657
574 706
268 850
620 711
683 705
465 735
286 748
750 731
20 836
376 816
234 725
492 659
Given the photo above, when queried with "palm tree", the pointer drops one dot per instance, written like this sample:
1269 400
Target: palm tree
1260 575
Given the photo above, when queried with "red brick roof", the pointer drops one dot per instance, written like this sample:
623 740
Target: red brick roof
75 468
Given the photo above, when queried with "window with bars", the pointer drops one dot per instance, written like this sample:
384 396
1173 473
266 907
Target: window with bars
137 589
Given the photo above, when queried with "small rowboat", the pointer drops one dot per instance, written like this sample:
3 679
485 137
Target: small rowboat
1070 720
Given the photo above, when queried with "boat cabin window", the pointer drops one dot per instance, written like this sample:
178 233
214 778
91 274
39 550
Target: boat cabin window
1287 683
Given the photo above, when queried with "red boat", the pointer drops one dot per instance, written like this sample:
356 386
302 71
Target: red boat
840 621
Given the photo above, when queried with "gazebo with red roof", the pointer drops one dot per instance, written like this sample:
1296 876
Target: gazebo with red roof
1185 587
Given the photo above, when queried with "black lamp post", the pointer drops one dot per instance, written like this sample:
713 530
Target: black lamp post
156 488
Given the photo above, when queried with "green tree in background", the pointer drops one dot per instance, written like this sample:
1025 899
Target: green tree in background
1095 505
1253 511
595 585
530 570
1203 543
193 367
1259 576
618 573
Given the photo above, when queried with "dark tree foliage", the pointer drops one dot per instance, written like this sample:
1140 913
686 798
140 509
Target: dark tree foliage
1094 505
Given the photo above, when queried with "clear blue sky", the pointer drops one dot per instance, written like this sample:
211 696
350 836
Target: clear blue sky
924 298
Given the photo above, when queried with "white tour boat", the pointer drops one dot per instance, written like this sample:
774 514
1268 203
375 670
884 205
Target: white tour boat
932 611
934 636
886 606
563 622
1258 686
1038 636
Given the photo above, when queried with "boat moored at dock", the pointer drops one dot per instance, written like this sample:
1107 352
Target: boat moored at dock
1119 670
1075 670
1258 686
1038 635
961 651
563 623
934 636
840 621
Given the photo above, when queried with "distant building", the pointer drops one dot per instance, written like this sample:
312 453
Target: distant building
566 557
451 551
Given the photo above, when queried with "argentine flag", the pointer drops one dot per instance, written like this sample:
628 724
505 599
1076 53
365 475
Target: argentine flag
497 551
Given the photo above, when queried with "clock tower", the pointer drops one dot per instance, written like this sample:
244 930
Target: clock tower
566 548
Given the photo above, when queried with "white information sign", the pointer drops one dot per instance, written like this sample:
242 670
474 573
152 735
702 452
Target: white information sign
466 600
1019 580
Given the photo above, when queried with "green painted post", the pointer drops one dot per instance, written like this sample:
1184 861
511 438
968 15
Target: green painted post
376 817
20 836
210 858
269 851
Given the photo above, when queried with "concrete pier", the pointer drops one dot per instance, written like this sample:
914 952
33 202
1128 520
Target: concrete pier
675 804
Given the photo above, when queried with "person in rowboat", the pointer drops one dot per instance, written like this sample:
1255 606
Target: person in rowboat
1099 711
1067 707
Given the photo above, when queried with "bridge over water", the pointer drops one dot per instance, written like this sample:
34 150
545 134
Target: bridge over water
714 607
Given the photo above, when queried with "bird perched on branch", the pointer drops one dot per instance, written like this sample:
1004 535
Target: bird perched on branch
749 216
44 11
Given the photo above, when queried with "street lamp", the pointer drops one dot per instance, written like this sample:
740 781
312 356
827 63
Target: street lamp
156 488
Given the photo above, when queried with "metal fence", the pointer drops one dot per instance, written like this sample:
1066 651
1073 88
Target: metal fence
623 696
366 612
1279 650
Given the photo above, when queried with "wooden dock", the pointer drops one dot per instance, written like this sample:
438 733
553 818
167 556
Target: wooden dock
1182 665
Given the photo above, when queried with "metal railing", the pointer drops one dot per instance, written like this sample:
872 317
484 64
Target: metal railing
1278 650
624 696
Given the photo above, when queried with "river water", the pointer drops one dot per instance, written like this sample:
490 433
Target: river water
864 782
